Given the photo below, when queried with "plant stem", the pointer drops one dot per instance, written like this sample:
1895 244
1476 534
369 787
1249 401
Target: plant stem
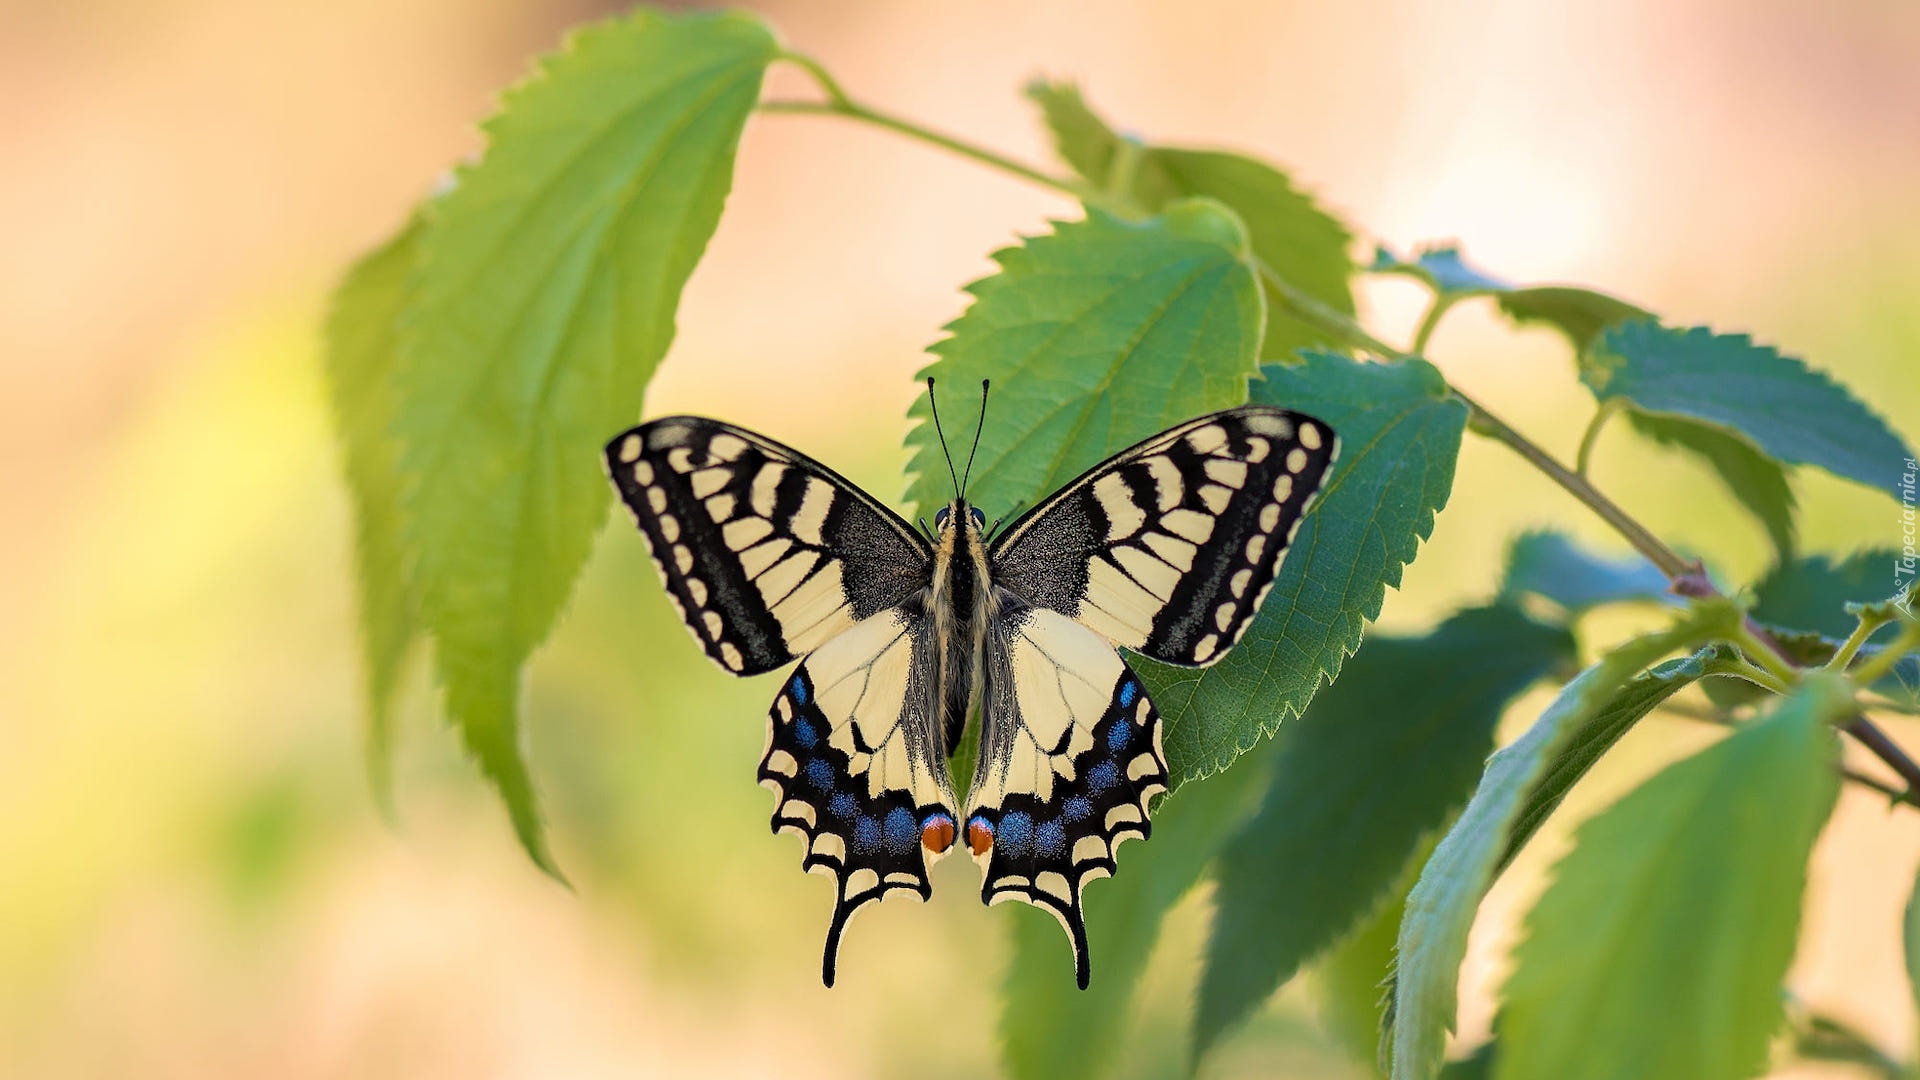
1584 455
1435 312
1688 577
1869 735
1874 667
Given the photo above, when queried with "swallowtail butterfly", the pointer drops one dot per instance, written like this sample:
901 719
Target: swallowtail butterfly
1166 549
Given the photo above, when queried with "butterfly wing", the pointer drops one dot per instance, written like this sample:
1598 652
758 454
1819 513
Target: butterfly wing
766 553
857 764
1069 758
1169 548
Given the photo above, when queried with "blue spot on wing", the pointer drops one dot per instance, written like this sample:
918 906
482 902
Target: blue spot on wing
1051 839
902 830
804 734
1119 735
1102 777
1076 809
1129 691
819 773
798 688
1014 834
866 833
842 806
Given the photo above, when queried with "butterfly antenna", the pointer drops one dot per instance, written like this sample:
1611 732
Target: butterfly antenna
965 476
935 403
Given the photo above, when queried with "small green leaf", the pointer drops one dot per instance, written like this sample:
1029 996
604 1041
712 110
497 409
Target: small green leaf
1812 593
1659 948
1288 232
1399 429
1441 907
1378 761
362 354
1791 413
1442 268
543 300
1050 1029
1580 314
1550 565
1755 479
1095 336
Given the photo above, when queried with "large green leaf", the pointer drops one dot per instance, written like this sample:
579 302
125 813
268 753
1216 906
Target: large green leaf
1095 336
1788 411
1659 949
1301 242
1399 431
1910 940
1758 481
1441 907
362 355
1049 1028
1378 761
1580 314
543 300
1550 565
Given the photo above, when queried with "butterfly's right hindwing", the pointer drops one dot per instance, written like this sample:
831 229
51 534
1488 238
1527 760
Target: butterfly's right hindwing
766 552
855 761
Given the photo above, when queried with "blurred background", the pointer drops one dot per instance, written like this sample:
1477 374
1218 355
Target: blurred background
193 880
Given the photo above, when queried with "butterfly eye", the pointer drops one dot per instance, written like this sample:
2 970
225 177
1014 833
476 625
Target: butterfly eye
940 518
979 519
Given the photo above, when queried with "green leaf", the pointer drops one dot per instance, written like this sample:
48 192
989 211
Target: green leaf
1910 938
1550 565
543 300
1442 268
1378 761
1475 1066
1755 479
1095 336
1659 948
1288 232
1585 743
1812 593
1399 429
1351 979
362 353
1441 907
1050 1029
1580 314
1789 412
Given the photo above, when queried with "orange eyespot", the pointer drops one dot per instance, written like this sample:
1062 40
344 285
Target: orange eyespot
979 836
937 834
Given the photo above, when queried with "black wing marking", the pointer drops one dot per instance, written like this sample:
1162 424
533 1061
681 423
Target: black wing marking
766 553
1070 756
1169 548
856 762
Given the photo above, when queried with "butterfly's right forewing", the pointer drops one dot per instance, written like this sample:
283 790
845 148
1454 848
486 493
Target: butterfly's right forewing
767 553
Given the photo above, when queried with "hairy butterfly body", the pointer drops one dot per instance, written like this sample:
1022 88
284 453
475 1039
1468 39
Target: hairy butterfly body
1166 549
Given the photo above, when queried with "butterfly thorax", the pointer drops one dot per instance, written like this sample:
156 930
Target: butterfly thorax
959 601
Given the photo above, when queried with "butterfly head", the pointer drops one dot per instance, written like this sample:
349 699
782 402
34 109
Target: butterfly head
959 513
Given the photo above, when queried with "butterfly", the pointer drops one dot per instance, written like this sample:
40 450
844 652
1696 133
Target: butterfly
1166 549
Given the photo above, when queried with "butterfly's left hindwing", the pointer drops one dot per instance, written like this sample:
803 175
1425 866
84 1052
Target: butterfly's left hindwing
855 760
1070 757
